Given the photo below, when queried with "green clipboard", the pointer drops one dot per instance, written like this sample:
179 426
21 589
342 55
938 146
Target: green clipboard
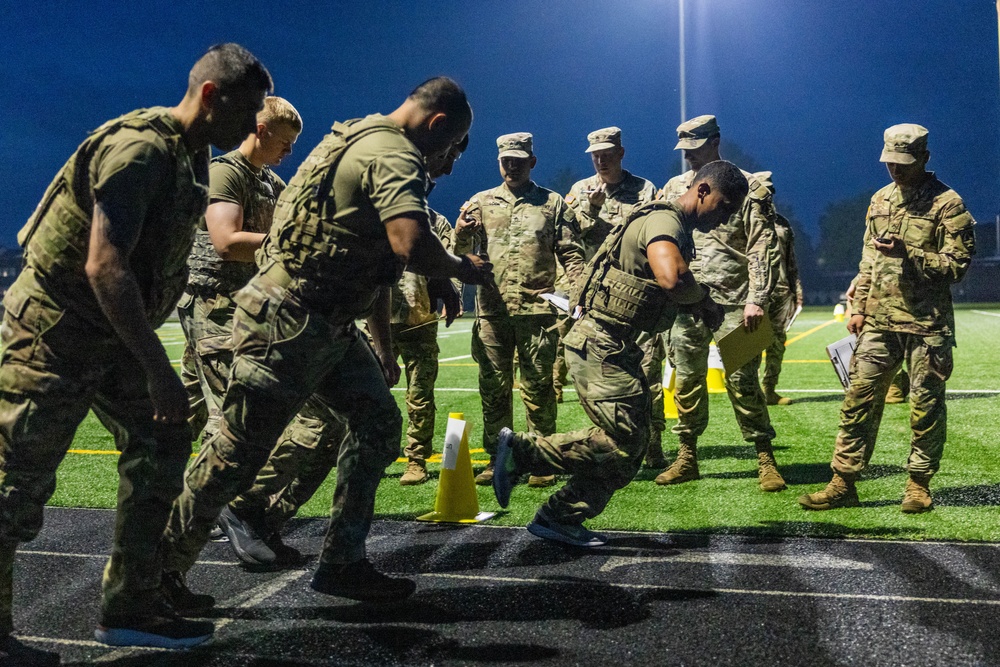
739 346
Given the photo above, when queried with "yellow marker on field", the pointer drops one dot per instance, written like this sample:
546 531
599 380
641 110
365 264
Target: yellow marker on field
456 500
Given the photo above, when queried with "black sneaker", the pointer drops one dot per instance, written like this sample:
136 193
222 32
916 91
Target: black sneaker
360 581
545 526
284 555
217 534
162 629
15 654
179 596
246 542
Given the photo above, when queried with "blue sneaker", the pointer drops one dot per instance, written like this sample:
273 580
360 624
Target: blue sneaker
546 527
504 476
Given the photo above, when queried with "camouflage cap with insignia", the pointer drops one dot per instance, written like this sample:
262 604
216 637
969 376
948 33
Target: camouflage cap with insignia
517 144
904 143
607 137
695 132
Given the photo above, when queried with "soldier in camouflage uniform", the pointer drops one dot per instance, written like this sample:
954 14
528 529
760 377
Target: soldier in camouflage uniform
105 256
919 239
354 214
635 283
523 229
601 203
735 262
786 297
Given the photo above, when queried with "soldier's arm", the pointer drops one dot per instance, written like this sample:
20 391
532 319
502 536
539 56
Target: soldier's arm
762 248
224 217
443 230
568 248
381 332
588 217
469 231
121 202
672 273
793 267
956 244
417 247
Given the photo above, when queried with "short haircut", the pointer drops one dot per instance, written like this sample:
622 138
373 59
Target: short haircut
726 177
445 95
231 67
279 110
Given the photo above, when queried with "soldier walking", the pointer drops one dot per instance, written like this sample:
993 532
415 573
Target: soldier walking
919 240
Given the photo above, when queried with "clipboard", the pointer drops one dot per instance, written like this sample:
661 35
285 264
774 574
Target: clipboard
840 354
739 346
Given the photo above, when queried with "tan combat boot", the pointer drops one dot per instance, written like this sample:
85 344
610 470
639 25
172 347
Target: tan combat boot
485 478
840 492
416 473
684 468
917 497
774 398
767 469
541 481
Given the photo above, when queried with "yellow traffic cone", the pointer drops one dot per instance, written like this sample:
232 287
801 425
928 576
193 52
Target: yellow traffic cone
716 371
669 382
838 312
456 500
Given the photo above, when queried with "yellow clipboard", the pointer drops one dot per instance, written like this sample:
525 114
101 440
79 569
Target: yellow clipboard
739 346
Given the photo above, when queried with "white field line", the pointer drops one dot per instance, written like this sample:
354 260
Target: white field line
983 312
726 591
811 562
61 554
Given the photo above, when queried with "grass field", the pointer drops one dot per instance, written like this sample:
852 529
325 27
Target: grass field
727 500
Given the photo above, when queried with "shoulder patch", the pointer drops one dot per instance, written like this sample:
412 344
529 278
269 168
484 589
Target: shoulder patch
570 198
464 206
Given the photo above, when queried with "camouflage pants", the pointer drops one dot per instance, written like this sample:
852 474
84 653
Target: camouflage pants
419 350
56 366
653 354
609 380
780 312
560 371
688 343
283 354
876 360
308 446
494 340
297 466
189 375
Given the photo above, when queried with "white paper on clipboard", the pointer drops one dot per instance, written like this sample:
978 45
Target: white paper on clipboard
791 320
840 356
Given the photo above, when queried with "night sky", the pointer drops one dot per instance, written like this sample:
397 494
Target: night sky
805 87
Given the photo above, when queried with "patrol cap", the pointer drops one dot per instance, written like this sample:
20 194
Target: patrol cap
695 132
517 144
608 137
904 143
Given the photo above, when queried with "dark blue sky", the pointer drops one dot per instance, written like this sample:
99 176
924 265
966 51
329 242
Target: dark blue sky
804 86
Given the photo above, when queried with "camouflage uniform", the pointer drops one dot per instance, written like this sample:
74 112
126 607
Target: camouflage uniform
414 339
189 375
785 297
621 199
522 234
605 361
61 356
294 335
908 316
735 262
311 442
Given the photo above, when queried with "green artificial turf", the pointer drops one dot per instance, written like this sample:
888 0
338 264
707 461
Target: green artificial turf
726 500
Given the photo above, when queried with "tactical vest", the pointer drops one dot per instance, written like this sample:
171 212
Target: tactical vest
332 266
56 237
209 272
619 297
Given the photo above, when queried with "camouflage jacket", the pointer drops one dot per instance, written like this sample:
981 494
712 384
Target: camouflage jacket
787 284
622 198
522 235
735 260
913 293
410 303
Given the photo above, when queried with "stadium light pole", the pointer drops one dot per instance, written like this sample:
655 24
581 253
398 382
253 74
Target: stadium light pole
684 74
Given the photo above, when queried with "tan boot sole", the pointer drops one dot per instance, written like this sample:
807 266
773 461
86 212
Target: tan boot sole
807 502
663 480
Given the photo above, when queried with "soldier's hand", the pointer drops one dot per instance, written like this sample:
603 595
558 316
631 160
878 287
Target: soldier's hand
475 270
752 316
443 289
712 314
598 196
390 369
466 222
169 398
893 246
855 323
